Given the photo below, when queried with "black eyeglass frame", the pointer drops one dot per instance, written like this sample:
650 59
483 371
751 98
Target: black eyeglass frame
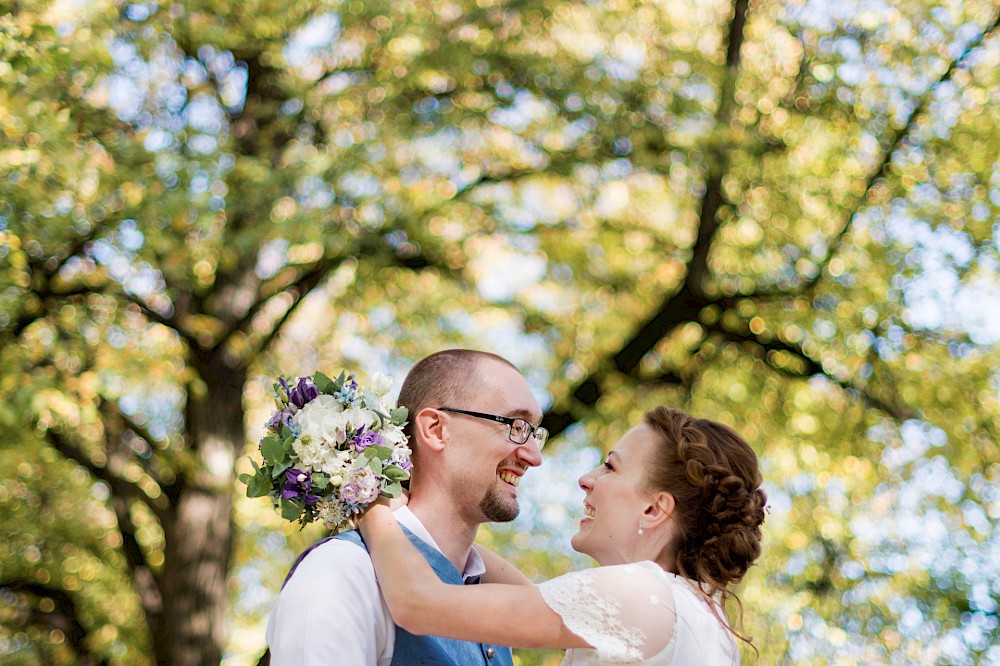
508 421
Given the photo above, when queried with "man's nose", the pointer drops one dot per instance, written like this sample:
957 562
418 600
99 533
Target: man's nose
529 454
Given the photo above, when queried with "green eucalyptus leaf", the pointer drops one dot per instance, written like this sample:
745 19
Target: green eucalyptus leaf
258 486
399 415
395 473
272 450
324 383
280 467
383 452
290 509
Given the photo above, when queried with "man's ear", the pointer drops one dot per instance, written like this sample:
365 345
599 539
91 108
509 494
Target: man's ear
430 429
660 509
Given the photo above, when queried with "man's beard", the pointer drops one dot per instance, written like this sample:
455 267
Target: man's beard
497 509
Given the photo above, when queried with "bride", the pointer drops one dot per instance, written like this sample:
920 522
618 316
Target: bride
672 516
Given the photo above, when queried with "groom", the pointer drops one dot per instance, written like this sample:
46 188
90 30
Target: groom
466 470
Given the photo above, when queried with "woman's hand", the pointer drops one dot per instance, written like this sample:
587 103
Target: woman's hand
397 502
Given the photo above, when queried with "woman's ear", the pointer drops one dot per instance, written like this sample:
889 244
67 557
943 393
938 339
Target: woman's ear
430 430
660 509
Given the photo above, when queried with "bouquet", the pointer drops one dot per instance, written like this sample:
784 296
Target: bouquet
331 449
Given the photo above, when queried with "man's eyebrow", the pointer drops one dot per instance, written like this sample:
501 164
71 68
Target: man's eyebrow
520 414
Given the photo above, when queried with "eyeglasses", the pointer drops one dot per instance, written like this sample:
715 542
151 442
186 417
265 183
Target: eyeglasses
519 429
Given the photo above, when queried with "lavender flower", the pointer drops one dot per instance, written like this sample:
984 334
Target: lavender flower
365 438
361 487
401 460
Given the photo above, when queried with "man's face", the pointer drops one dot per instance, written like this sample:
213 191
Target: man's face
487 464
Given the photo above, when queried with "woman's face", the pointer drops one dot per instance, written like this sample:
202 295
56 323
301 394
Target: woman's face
613 505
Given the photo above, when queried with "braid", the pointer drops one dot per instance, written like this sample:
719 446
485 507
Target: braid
714 477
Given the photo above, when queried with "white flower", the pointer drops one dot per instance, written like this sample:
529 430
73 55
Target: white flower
393 434
335 462
381 384
322 419
309 452
356 417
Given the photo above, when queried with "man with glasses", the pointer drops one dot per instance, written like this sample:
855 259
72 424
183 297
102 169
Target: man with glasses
474 430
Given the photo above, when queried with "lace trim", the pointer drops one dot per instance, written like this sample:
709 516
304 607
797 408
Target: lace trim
594 618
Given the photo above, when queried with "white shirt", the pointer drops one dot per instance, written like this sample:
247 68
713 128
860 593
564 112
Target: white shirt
331 611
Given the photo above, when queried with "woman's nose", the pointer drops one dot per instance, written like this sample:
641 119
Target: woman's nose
587 480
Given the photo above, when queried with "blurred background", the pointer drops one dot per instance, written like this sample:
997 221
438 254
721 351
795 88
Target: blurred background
780 215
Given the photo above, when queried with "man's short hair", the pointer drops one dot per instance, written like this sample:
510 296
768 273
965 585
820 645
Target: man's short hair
444 379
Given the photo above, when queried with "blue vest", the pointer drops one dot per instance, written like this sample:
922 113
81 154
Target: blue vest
412 650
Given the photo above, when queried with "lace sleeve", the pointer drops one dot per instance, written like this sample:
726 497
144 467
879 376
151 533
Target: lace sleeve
626 612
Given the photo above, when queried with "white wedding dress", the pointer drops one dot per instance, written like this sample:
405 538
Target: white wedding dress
638 614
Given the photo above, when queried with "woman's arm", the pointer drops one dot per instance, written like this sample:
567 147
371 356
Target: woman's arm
499 570
514 615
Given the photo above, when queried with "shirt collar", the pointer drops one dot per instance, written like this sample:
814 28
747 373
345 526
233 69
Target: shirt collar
474 565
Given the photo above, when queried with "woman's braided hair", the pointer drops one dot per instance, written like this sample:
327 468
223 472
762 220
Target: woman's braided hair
714 478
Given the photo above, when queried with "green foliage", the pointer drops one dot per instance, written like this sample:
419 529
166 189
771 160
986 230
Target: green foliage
797 238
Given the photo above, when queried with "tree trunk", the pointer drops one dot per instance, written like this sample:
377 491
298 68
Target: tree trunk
199 539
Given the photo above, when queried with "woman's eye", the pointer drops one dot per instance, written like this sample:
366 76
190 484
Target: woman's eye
607 465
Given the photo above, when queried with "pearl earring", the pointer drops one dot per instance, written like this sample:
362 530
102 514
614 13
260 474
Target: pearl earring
642 526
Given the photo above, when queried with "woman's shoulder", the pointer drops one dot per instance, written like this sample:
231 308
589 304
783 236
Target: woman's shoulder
625 583
624 611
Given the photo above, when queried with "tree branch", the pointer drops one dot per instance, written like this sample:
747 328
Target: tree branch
299 292
681 307
691 297
898 140
111 410
118 485
299 287
155 317
43 294
762 347
122 492
63 617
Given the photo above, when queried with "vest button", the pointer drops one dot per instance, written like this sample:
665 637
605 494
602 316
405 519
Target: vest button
490 652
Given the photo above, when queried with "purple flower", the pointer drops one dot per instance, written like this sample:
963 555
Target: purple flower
363 439
297 484
282 417
401 460
303 392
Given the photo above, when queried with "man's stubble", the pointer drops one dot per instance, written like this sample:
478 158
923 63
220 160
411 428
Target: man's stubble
497 508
